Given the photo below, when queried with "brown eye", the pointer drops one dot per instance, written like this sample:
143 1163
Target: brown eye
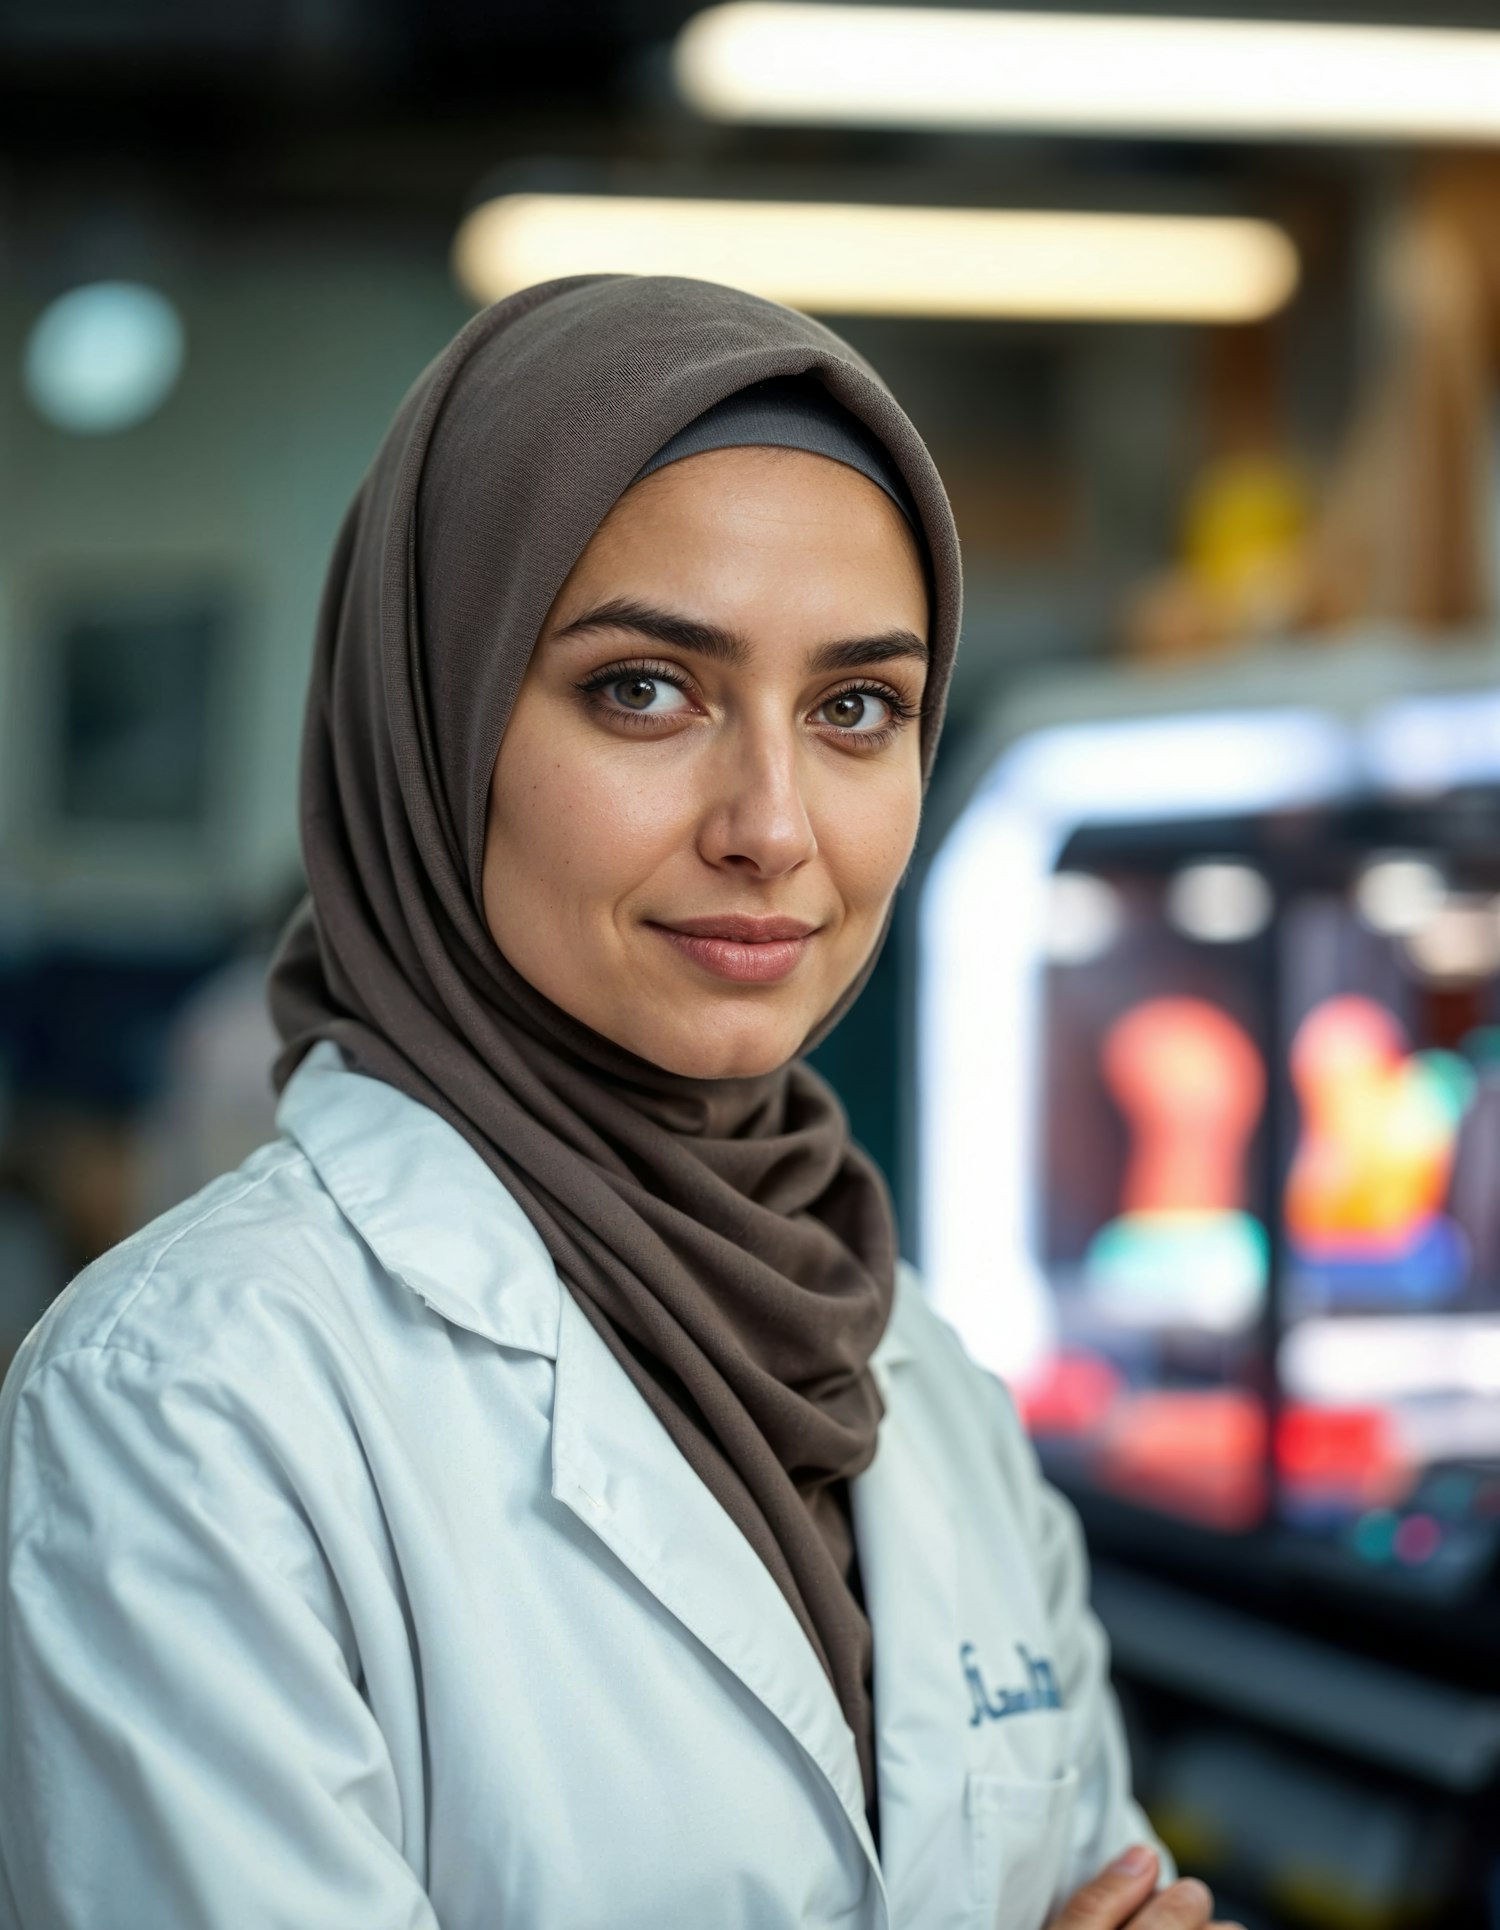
632 692
852 707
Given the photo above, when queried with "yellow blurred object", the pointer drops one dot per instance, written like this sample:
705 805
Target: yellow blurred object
1315 1896
1403 531
1196 1839
1244 569
1244 533
1247 521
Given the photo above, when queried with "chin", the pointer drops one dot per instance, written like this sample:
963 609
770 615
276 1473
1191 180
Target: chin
698 1055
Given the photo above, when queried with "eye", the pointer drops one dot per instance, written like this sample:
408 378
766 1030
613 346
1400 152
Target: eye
854 707
639 691
631 692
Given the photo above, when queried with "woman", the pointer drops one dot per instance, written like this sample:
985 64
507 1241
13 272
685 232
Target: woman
531 1491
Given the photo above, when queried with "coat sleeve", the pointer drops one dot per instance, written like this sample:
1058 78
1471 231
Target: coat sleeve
183 1739
1106 1817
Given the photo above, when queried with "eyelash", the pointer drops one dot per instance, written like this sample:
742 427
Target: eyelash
901 711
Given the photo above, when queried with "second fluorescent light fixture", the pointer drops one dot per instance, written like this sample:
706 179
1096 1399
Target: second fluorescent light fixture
1088 73
856 259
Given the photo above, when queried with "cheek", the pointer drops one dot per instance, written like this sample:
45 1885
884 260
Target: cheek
571 825
869 840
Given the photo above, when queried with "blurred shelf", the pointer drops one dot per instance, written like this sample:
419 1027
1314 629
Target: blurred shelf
1370 1711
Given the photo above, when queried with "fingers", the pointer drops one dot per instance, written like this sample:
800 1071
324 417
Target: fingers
1187 1904
1113 1895
1121 1898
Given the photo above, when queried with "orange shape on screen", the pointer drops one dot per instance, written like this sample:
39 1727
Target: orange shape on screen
1378 1133
1191 1083
1198 1452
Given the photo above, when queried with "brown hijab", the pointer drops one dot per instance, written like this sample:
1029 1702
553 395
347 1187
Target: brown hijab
730 1242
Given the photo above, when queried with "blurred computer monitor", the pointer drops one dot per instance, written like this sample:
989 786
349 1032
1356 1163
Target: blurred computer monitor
1210 1122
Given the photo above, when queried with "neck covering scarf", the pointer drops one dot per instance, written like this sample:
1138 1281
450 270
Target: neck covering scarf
727 1238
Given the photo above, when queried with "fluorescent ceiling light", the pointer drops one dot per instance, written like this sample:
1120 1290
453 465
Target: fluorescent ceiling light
1088 73
858 259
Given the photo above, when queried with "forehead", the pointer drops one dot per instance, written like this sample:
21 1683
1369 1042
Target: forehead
733 517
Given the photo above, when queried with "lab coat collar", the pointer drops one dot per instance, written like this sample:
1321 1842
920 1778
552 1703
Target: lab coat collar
425 1203
434 1214
626 1481
904 1528
437 1218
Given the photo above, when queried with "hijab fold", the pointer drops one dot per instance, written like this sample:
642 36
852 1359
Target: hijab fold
734 1247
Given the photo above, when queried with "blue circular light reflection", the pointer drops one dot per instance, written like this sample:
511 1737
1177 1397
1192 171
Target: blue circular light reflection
103 357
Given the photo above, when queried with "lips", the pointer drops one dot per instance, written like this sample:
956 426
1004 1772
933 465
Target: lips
741 928
753 951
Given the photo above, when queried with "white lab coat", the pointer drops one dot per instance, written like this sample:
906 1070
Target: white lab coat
353 1586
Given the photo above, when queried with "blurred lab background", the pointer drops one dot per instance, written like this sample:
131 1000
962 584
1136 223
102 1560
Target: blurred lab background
1185 1059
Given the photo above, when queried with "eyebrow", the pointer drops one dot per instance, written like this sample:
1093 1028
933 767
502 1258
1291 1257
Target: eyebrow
729 647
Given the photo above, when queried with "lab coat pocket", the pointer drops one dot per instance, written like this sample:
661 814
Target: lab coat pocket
1018 1846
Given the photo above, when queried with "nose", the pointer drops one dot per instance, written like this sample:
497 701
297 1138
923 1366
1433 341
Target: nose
755 816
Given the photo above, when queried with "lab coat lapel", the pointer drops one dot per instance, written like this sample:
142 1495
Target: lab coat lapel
621 1474
908 1546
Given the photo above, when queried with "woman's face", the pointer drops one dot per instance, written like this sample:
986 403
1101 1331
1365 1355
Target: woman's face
719 722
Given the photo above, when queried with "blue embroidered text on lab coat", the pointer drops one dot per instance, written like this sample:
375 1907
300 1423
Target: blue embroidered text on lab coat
1040 1692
